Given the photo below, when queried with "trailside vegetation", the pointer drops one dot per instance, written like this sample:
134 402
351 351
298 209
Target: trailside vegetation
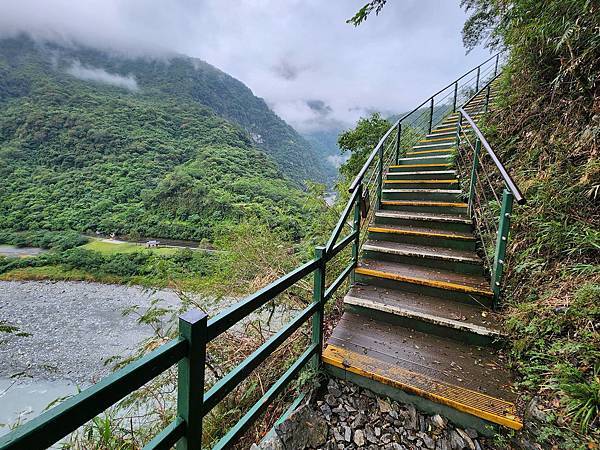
546 128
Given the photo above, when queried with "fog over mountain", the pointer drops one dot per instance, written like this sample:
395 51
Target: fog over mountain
313 69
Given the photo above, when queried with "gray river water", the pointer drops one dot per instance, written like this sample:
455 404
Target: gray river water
66 333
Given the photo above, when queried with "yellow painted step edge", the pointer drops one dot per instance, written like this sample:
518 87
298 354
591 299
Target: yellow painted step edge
353 362
420 233
424 282
425 141
417 203
444 150
421 181
421 165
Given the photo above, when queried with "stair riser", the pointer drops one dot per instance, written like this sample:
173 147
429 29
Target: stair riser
417 185
437 145
423 240
433 159
437 225
426 290
428 152
464 420
460 211
422 167
427 326
421 176
422 196
456 266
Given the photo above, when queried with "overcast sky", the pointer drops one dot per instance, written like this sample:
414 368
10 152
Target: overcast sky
299 55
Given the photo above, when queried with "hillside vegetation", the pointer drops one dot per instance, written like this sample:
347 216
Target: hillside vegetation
547 129
167 148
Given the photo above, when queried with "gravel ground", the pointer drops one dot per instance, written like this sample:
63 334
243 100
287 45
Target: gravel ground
349 417
72 327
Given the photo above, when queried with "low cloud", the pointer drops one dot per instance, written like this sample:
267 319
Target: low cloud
337 160
100 75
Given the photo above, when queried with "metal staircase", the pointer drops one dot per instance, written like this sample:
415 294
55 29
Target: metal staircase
419 322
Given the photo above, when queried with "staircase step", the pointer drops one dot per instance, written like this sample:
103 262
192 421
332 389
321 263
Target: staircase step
420 167
461 376
423 236
433 152
445 222
460 321
426 281
421 184
435 145
435 256
425 206
423 175
427 159
445 135
422 194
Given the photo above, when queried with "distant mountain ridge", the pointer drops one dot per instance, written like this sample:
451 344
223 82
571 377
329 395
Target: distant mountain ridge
93 141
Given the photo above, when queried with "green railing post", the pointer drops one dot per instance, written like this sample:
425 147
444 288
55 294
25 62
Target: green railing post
431 115
356 228
455 97
477 81
473 180
398 134
190 378
496 66
501 243
318 296
487 98
380 174
458 131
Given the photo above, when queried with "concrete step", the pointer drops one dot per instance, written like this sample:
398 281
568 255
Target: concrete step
435 256
446 158
472 324
439 375
420 167
429 194
423 236
444 222
422 175
473 289
421 184
457 208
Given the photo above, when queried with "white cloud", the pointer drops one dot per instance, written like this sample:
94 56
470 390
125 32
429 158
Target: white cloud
288 52
100 75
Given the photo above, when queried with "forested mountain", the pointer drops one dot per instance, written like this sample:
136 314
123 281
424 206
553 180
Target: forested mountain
170 148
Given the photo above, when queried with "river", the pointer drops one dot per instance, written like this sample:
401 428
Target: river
66 332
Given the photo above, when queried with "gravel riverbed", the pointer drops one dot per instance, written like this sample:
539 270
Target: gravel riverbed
67 330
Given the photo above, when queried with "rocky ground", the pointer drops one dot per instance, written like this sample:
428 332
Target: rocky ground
66 330
349 417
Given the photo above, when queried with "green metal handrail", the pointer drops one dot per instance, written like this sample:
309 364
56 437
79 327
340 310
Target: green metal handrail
188 351
510 192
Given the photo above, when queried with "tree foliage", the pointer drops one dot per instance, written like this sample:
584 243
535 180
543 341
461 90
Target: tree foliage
77 155
360 142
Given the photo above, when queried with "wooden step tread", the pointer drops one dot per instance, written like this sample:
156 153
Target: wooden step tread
421 231
422 181
426 276
442 152
467 378
422 191
422 251
422 216
430 172
437 310
423 203
404 166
